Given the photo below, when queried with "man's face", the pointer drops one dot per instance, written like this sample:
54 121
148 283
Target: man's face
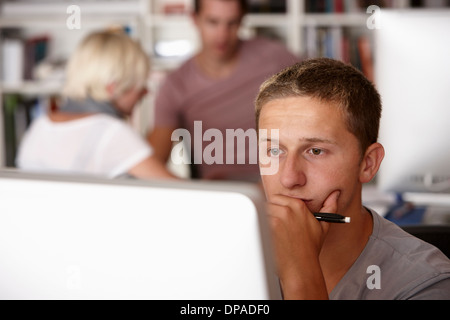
317 154
218 23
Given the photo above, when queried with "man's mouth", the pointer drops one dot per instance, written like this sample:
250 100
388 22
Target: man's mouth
306 201
310 203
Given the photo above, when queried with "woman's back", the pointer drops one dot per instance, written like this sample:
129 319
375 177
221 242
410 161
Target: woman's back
96 144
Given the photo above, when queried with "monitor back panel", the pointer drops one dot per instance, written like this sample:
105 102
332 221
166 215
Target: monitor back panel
95 239
412 70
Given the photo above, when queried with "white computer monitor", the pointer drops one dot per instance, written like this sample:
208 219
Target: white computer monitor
412 64
84 238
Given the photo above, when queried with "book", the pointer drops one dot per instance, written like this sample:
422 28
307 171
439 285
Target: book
267 6
12 61
349 45
36 50
10 103
18 114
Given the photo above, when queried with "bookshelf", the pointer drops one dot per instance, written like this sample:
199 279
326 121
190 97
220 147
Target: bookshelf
303 25
25 20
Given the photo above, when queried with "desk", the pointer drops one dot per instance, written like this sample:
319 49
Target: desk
436 205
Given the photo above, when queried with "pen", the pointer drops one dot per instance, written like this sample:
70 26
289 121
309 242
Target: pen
331 217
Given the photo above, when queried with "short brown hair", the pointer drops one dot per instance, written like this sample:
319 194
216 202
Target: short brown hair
331 81
242 3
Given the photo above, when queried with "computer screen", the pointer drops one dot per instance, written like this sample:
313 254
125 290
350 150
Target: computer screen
84 238
412 66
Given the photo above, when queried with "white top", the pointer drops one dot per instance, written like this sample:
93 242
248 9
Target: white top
98 145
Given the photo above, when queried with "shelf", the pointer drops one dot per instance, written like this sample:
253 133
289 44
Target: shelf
32 88
344 20
98 7
58 21
427 199
251 20
267 20
161 20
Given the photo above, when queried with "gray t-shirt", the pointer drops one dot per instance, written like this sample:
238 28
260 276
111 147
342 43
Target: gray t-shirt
395 266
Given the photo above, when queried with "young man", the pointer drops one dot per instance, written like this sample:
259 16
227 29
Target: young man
217 87
328 115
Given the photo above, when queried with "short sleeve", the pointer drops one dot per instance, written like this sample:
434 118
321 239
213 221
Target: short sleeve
121 149
440 290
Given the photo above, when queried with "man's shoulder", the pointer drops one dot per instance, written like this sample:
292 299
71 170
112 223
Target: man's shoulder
395 265
390 238
394 237
406 261
271 53
182 73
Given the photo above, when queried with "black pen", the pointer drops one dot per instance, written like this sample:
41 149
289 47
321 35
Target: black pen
331 217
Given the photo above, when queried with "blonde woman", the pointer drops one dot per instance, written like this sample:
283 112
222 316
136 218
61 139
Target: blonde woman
106 77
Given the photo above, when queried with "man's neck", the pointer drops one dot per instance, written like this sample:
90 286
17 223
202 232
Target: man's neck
217 68
343 245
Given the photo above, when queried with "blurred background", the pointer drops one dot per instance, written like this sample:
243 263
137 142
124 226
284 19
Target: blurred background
37 37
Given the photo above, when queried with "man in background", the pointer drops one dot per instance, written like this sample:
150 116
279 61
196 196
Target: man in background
217 88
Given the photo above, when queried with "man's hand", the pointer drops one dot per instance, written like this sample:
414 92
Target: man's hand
298 238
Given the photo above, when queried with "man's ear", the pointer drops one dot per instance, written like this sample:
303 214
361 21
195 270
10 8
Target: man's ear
371 162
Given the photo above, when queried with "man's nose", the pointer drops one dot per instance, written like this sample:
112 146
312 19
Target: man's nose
224 31
292 172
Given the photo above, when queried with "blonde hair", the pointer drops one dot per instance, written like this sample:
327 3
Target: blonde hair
105 58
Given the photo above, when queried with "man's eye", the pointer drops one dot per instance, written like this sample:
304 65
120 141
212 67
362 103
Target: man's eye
316 151
274 152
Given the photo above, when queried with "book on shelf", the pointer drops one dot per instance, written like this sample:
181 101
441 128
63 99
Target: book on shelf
20 57
360 6
18 113
430 3
346 44
28 58
12 61
267 6
333 6
365 57
36 50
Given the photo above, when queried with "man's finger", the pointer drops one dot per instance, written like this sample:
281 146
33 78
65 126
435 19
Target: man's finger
331 203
